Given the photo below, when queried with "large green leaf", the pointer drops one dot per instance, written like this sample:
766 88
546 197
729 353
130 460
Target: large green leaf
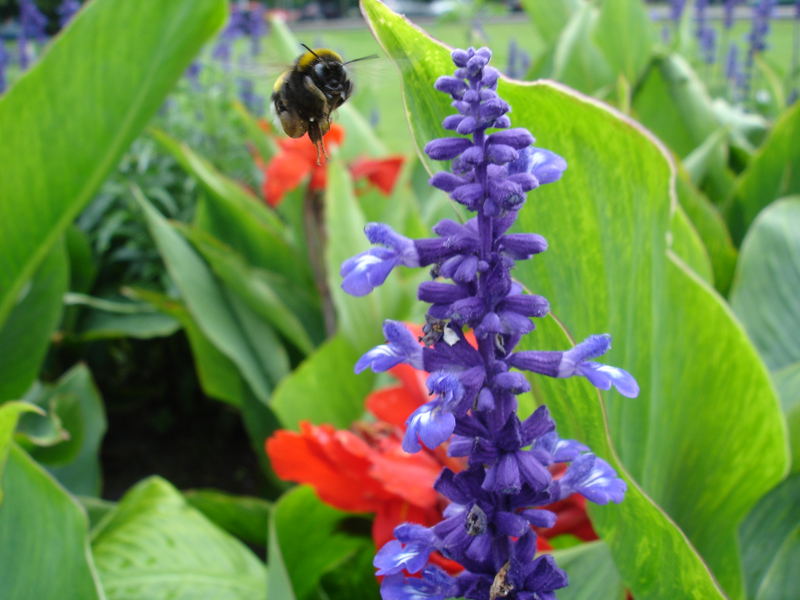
230 325
26 335
75 462
710 227
686 243
625 34
773 172
673 103
302 522
155 546
765 298
577 61
770 539
592 572
549 18
765 290
244 517
308 394
256 287
67 121
44 540
704 389
10 413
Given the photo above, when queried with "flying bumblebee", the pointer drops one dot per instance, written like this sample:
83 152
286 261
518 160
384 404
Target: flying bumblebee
306 95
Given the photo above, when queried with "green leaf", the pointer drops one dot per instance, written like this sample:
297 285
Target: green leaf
112 319
217 314
771 174
308 394
26 335
82 270
700 160
787 382
764 297
591 571
75 462
673 103
10 413
549 18
155 546
256 287
96 509
577 61
624 33
671 331
770 539
764 294
243 517
103 100
44 546
279 584
710 227
301 522
686 243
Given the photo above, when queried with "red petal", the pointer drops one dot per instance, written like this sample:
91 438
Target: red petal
284 173
382 173
392 405
317 457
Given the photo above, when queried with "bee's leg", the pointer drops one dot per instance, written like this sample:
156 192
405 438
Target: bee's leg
315 135
320 95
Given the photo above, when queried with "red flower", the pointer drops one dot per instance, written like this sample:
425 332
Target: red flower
381 172
366 469
296 160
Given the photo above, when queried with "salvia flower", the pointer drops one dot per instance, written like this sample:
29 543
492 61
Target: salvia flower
495 503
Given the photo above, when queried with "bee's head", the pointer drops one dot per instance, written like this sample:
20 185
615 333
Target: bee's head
329 75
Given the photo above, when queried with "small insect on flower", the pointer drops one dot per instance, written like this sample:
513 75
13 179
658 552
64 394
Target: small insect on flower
306 94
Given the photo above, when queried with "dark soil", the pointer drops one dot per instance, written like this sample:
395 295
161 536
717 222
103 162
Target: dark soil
161 423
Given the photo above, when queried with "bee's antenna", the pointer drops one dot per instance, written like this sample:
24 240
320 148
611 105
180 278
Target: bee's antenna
371 56
310 50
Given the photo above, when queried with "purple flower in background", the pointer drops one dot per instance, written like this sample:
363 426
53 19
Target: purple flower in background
762 14
67 10
32 28
728 13
487 526
519 61
676 9
4 60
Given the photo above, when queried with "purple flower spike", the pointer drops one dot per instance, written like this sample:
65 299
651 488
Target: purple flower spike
494 502
593 478
402 347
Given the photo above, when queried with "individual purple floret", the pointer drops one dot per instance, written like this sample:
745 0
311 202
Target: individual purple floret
497 500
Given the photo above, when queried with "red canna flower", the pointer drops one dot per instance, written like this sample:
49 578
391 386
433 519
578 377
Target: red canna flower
296 160
381 172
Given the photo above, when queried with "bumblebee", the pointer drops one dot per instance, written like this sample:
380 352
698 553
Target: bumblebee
306 95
